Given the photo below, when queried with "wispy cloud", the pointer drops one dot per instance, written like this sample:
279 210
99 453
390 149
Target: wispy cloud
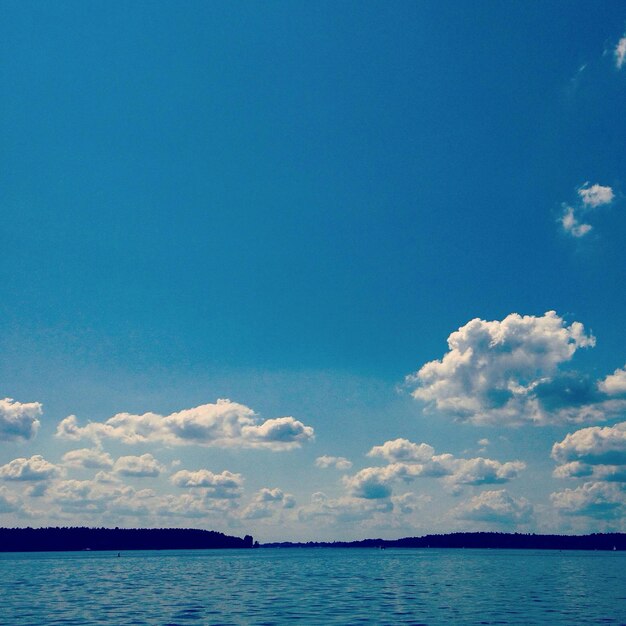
571 225
620 53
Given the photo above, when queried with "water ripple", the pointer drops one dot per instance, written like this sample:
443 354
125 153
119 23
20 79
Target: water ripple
314 586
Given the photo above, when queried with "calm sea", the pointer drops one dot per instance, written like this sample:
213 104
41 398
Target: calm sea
313 586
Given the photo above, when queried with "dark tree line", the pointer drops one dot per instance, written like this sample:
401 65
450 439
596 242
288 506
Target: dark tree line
599 541
81 538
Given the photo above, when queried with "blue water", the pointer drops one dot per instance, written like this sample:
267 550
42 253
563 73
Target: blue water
313 586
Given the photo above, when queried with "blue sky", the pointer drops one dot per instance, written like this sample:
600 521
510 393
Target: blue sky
293 206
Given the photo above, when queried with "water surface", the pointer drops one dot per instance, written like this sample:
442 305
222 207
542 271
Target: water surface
313 586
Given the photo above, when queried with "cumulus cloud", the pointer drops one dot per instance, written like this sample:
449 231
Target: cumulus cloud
590 197
403 450
576 469
223 424
594 445
338 462
377 482
191 505
601 500
143 466
620 53
342 510
9 502
408 503
374 483
33 469
266 502
88 458
595 195
614 384
507 372
480 471
497 507
86 496
111 499
595 452
18 421
222 485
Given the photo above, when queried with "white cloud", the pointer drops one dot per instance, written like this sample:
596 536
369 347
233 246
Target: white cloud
506 372
591 197
92 500
191 505
338 462
572 225
614 384
497 507
377 482
595 453
573 469
342 510
143 466
9 502
403 450
595 195
33 469
374 483
106 477
408 503
266 502
594 446
576 469
274 495
600 500
222 485
145 503
480 471
88 458
223 424
17 420
620 53
85 496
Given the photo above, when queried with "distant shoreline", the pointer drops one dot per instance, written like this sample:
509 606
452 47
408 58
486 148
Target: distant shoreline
118 539
485 540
